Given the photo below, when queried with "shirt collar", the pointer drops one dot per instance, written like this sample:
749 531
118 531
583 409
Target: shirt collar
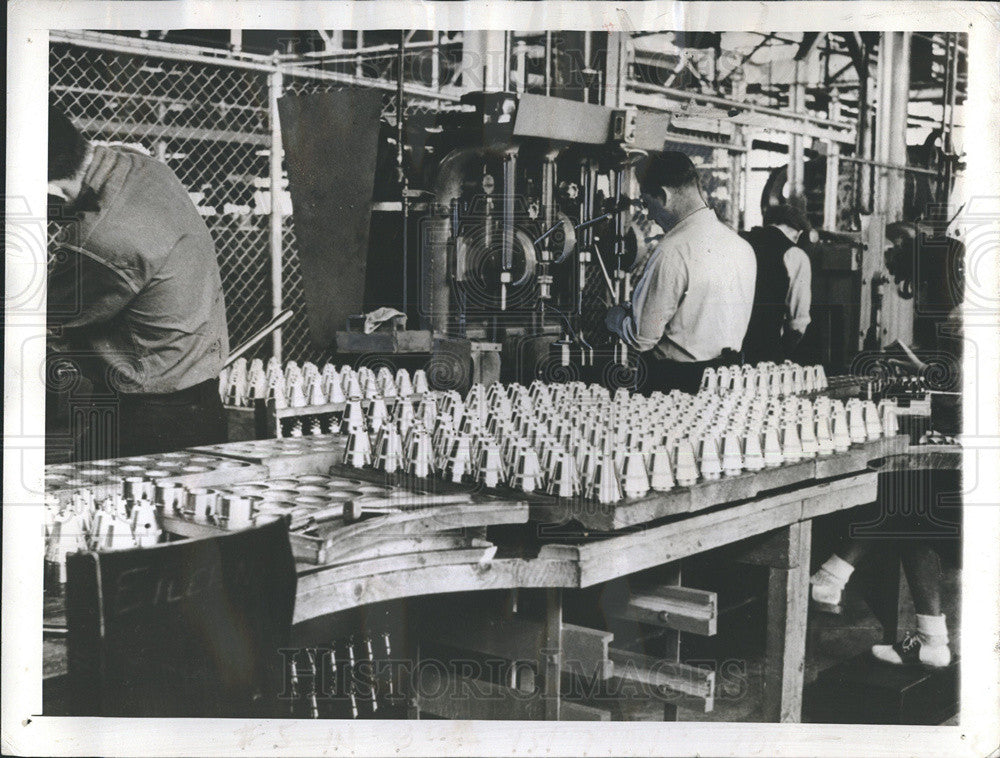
691 218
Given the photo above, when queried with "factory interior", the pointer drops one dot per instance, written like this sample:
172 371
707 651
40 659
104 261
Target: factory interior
440 469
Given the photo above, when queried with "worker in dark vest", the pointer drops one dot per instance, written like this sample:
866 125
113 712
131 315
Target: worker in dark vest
783 293
134 292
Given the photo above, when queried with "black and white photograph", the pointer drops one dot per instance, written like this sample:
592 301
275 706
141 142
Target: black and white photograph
606 366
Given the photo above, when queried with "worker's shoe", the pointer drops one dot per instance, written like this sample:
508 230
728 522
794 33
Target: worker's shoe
828 584
927 647
913 651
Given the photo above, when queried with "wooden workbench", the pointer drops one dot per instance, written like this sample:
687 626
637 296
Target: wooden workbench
769 513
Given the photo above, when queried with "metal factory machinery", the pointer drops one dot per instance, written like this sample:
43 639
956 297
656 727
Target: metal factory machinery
515 230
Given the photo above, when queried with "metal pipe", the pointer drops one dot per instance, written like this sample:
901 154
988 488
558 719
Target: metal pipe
548 63
685 95
832 183
400 167
887 165
275 87
899 90
271 326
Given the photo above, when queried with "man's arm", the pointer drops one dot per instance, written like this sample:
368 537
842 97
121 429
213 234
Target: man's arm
799 298
83 290
655 300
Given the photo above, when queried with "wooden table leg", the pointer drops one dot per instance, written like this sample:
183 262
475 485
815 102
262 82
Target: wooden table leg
552 652
787 608
672 638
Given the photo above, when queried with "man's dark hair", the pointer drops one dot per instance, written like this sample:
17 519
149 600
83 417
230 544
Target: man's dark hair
670 169
789 215
67 146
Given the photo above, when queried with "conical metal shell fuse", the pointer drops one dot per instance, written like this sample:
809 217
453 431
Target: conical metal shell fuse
404 387
873 425
389 449
890 426
459 458
635 478
525 472
358 452
605 487
807 436
377 414
296 397
708 458
824 439
385 383
419 455
564 480
661 477
420 382
316 395
732 455
753 456
856 423
489 468
841 435
791 446
772 448
352 387
353 418
685 470
335 391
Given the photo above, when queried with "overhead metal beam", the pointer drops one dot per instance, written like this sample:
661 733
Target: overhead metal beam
808 44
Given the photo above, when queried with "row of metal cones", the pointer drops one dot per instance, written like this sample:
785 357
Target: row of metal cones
301 387
572 441
784 379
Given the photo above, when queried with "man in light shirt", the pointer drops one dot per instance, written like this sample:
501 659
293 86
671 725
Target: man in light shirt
691 306
784 286
135 292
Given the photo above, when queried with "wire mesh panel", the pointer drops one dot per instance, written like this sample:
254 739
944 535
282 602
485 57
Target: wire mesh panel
210 124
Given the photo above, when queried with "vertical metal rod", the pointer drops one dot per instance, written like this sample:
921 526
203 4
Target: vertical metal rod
796 164
953 92
832 172
522 72
403 184
436 67
275 87
548 63
553 652
945 91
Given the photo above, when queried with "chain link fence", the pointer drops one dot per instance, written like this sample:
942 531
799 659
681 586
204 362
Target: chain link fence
209 118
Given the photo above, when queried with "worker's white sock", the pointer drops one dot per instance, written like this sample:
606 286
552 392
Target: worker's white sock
838 568
932 630
829 581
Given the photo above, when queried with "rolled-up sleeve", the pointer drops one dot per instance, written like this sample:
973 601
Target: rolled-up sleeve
799 298
655 299
83 290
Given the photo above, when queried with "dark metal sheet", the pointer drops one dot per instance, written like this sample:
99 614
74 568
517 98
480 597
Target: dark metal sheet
331 141
562 120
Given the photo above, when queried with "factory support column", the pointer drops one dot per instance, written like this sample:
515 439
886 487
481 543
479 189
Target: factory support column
893 316
275 87
484 63
832 184
899 311
796 156
616 69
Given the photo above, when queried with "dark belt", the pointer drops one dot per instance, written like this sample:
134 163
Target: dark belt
194 394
